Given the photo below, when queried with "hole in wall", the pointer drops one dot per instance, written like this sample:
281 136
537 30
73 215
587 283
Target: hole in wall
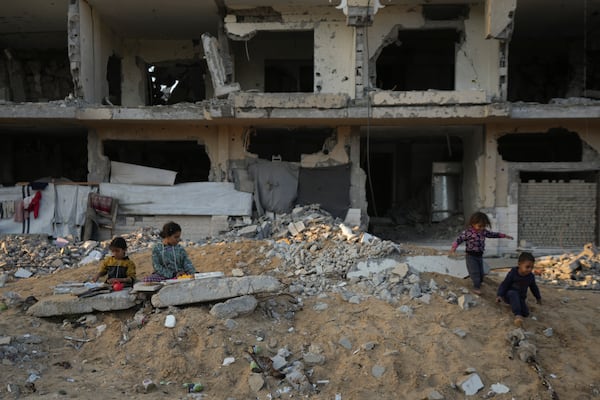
188 158
418 60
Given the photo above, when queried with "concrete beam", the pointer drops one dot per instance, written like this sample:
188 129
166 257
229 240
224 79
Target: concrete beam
433 97
499 18
289 100
555 111
440 112
216 67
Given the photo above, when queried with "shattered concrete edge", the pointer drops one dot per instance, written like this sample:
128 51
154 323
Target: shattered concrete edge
204 290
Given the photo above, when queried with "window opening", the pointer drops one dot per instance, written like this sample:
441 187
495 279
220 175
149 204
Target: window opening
418 60
187 158
556 145
286 144
176 82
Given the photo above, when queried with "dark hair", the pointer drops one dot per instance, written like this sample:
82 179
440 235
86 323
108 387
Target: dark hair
118 243
479 218
169 229
526 256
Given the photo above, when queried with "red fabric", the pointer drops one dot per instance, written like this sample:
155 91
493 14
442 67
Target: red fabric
35 204
102 204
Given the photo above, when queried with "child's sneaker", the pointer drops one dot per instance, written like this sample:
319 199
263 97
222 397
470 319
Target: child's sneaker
518 321
476 291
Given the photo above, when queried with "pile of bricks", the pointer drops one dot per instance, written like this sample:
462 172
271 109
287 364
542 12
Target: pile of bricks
578 271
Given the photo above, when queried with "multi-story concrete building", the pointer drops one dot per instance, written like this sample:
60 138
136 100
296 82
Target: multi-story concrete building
429 107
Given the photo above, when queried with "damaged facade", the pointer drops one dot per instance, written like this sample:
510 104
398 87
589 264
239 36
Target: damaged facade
406 110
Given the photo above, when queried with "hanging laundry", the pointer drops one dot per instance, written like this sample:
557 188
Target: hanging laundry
7 209
32 203
19 211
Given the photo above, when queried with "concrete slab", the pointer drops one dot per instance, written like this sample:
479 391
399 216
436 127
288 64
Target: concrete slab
211 289
440 264
66 304
438 97
289 100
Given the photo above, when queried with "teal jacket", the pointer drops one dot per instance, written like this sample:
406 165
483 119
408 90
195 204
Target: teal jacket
170 261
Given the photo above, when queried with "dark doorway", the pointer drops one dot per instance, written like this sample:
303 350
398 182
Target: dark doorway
187 158
399 173
418 60
113 76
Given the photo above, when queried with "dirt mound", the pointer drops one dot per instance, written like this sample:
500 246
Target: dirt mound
330 336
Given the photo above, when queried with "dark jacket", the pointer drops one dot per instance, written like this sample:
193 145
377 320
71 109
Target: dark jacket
514 281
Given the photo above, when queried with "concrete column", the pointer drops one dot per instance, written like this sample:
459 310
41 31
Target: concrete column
362 62
488 174
358 178
98 163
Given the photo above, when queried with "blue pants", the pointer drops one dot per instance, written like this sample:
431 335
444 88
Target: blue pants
475 268
517 303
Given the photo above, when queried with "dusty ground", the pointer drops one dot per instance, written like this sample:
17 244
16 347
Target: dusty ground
420 352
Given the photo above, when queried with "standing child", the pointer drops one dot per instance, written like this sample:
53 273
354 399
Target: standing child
513 290
169 259
474 238
117 267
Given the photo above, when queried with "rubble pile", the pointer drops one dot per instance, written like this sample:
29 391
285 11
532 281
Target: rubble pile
42 254
581 271
319 251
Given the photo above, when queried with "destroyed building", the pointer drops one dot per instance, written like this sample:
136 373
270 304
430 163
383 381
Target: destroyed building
204 110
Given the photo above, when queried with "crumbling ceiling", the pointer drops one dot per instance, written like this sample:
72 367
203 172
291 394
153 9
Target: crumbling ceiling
184 19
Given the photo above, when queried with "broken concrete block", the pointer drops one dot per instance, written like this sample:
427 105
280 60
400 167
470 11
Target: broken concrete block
219 224
366 268
470 384
211 289
216 67
248 231
66 304
352 217
23 273
235 307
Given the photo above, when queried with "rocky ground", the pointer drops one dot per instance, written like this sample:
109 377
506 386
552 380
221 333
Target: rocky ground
327 335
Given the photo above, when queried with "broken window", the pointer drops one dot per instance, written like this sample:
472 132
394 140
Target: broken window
286 144
188 158
176 82
26 156
113 76
276 61
555 57
418 60
556 145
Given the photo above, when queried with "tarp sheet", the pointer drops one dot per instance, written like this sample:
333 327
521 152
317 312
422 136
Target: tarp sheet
194 198
140 175
276 185
327 186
